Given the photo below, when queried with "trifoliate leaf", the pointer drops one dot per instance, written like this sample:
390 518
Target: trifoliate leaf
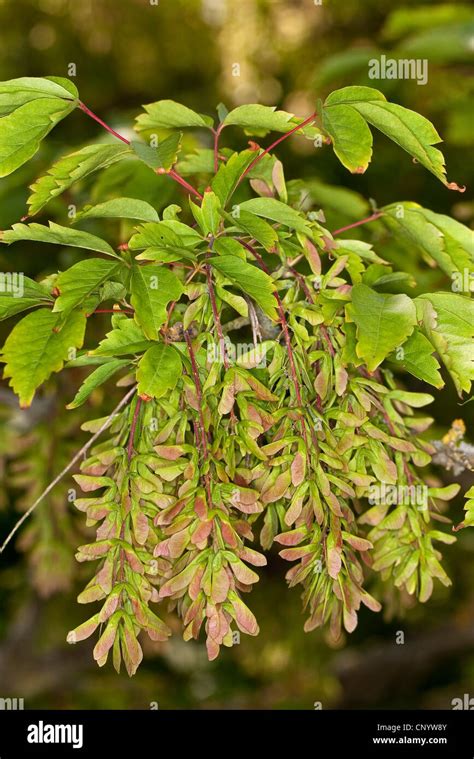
56 235
158 371
448 322
70 169
37 346
383 323
153 287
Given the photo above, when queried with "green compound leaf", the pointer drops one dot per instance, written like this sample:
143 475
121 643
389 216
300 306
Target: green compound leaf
72 168
252 281
448 323
383 323
37 346
153 287
57 235
97 378
408 129
158 371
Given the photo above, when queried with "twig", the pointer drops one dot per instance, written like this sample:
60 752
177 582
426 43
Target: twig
111 311
274 144
179 179
109 129
172 173
373 217
69 466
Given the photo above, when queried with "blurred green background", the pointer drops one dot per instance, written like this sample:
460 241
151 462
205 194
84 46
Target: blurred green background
288 54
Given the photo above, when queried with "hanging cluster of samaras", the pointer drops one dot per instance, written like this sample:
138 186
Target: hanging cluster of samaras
180 519
263 356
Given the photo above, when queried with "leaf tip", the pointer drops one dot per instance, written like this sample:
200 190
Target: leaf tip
454 186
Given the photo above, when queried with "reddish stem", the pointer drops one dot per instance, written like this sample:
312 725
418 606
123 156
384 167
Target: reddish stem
102 123
178 178
112 311
172 173
133 428
373 217
327 339
274 144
